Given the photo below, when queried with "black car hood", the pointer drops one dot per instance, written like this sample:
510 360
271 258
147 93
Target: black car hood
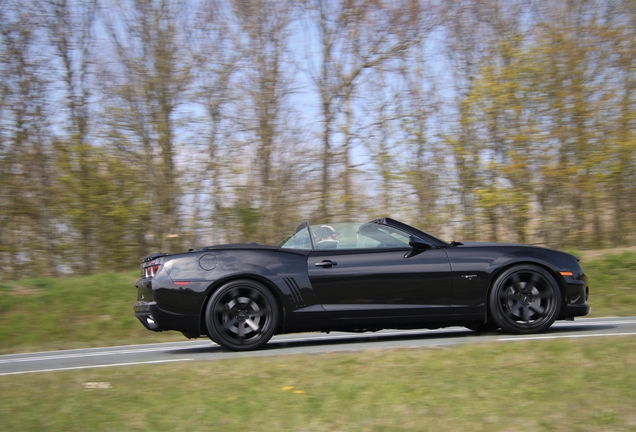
491 244
498 245
510 245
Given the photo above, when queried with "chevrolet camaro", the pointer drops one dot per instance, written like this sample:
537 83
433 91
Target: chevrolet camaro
357 277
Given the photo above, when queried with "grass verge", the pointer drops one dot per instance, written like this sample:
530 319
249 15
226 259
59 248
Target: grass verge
612 284
584 385
73 312
87 311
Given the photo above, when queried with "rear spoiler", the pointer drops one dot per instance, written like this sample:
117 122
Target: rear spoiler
154 256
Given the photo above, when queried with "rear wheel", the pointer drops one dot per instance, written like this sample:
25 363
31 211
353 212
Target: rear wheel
525 299
242 315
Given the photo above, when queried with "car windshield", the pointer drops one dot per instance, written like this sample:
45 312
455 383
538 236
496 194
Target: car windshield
347 235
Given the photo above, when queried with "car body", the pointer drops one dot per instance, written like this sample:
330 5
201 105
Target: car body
357 277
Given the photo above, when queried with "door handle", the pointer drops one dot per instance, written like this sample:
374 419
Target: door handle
326 264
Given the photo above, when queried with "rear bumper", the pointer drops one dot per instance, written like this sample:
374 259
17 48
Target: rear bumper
157 319
144 313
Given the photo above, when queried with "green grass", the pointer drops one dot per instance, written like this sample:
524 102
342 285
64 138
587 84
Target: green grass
86 311
73 312
558 385
612 284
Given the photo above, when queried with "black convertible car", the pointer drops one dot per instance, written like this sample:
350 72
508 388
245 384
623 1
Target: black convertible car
357 277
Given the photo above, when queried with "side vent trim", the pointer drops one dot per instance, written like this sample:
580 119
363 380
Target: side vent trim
294 289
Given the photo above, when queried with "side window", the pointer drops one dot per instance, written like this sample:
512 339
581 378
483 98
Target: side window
373 235
357 236
300 240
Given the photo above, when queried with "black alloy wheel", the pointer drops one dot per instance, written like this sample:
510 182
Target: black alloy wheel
525 299
242 315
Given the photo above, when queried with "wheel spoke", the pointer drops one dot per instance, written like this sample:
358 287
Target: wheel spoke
516 282
254 296
532 282
241 330
537 308
515 309
251 305
233 293
252 324
505 295
543 295
260 313
525 313
230 323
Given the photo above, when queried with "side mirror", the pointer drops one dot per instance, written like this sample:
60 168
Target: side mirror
418 246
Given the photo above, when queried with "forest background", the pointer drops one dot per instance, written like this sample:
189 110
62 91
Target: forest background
129 127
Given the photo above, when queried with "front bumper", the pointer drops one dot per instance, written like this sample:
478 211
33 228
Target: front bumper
577 294
577 311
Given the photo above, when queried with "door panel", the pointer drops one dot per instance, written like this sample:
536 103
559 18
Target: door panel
381 283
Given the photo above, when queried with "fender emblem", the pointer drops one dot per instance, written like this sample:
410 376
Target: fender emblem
469 277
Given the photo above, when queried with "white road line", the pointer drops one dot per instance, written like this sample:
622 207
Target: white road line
91 354
512 339
587 323
42 356
114 347
207 344
94 366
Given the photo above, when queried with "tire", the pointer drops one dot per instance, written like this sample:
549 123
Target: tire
524 299
242 315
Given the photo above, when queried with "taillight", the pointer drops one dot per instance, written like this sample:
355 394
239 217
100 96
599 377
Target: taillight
151 270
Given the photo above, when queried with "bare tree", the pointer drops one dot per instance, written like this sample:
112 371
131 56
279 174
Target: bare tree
27 210
150 74
217 59
466 44
620 44
69 27
265 34
354 37
418 107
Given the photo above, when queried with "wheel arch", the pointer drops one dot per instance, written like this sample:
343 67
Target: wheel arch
268 284
500 270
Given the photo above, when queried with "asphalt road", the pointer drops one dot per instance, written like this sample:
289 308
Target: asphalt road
306 343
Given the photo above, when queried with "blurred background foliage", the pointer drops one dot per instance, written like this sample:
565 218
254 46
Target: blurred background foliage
128 127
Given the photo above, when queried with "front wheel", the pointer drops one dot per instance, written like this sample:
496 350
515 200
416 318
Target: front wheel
242 315
525 299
